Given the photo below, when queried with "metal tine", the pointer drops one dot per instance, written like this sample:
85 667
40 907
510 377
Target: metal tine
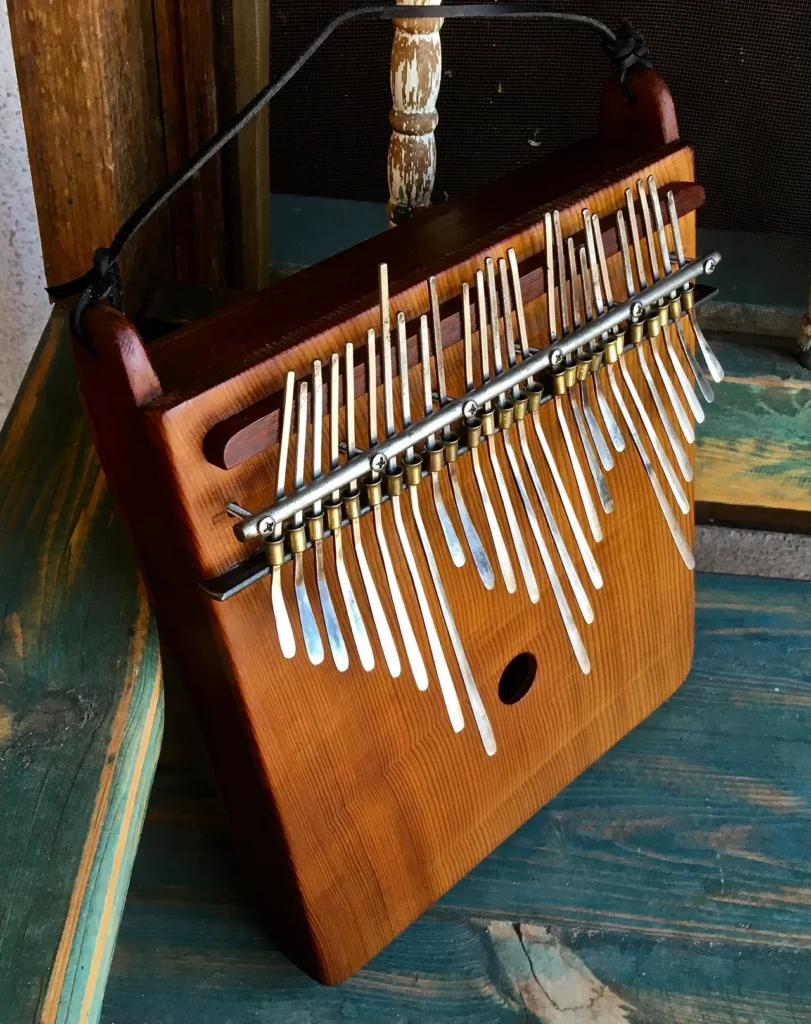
713 365
681 376
502 555
334 510
505 411
695 368
315 525
488 429
578 589
434 456
574 459
374 494
672 523
451 442
685 422
474 697
664 462
584 360
685 468
395 473
580 538
309 627
592 461
284 630
352 506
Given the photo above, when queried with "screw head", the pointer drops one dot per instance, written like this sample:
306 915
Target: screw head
379 462
637 310
265 526
556 359
709 265
470 409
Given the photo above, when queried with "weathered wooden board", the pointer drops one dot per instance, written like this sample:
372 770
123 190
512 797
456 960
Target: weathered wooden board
754 448
81 704
670 882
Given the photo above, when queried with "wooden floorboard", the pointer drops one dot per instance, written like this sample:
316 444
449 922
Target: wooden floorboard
670 882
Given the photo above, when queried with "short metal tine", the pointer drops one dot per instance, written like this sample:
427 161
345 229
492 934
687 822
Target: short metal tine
502 555
673 440
504 410
685 422
713 365
488 429
395 477
670 519
284 629
309 627
477 705
563 494
316 527
584 359
374 496
611 425
451 442
352 504
578 589
335 513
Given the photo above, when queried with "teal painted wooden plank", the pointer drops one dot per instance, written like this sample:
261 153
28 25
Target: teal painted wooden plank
674 872
80 702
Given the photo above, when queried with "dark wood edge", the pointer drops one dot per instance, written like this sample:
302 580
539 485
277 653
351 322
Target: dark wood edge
252 430
753 517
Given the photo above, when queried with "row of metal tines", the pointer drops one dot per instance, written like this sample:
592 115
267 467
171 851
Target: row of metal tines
578 288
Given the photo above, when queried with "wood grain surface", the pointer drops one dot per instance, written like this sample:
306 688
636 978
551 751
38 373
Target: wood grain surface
81 705
671 878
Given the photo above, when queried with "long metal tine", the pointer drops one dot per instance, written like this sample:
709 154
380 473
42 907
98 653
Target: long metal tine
673 440
681 413
309 627
713 365
502 555
335 512
488 429
681 376
563 291
477 705
316 520
584 360
505 408
603 493
373 491
396 473
284 629
611 425
574 523
578 589
475 546
672 523
352 504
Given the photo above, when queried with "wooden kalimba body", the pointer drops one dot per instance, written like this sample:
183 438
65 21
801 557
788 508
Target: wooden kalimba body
356 797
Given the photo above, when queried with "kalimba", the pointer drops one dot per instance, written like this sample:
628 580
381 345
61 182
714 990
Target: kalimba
416 521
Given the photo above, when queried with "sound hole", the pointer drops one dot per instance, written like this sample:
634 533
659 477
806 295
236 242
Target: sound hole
517 678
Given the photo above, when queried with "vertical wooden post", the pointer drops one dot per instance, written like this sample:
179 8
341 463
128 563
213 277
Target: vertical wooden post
416 72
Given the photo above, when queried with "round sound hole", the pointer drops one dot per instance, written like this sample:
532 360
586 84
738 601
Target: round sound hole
517 678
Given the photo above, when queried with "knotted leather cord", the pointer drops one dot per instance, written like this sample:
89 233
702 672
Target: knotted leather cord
625 49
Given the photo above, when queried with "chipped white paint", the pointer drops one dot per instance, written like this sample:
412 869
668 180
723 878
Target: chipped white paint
23 300
416 74
552 982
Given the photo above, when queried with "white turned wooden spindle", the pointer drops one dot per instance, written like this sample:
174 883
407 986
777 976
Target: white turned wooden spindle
416 71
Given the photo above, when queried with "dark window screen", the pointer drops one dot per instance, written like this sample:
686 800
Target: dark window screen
513 91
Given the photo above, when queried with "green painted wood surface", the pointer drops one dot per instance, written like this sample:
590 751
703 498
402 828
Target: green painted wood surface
754 448
81 703
669 883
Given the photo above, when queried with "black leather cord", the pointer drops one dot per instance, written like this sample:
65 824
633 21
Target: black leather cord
625 49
